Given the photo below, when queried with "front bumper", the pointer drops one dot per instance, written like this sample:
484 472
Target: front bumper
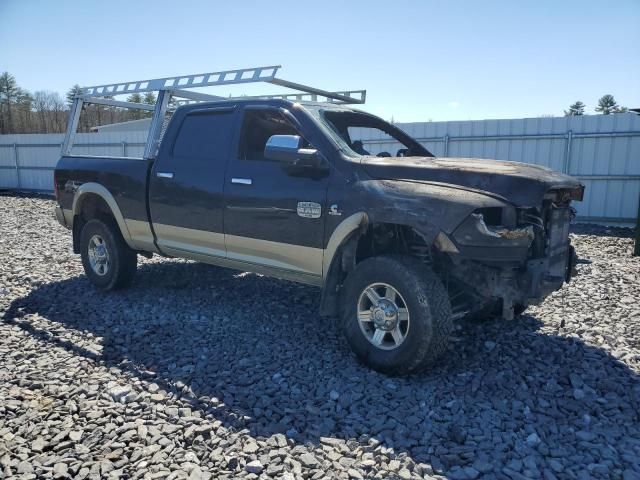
525 270
544 276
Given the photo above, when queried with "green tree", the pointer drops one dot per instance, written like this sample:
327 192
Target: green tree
134 98
73 92
135 114
24 106
607 105
575 109
149 98
10 94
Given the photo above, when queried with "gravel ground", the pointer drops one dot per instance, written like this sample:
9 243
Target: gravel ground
199 372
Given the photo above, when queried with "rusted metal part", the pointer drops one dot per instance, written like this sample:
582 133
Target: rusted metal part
501 232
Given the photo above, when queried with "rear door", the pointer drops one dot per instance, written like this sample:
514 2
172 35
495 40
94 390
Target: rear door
274 215
187 182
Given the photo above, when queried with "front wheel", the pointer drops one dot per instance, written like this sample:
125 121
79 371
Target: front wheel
107 260
396 314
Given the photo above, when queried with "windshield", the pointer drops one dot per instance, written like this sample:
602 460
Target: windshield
359 133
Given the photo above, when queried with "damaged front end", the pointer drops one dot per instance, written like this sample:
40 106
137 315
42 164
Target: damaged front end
508 258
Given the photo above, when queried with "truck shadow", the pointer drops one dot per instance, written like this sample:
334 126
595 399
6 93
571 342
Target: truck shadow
257 346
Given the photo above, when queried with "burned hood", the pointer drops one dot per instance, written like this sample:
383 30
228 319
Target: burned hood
519 183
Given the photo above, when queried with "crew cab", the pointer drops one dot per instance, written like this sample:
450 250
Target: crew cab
400 242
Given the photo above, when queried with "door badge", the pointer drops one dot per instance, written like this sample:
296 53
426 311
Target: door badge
309 210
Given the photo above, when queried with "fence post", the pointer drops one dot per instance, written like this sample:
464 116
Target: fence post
567 153
15 161
124 149
446 145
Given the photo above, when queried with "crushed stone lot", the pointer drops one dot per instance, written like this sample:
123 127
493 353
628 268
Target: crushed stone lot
200 372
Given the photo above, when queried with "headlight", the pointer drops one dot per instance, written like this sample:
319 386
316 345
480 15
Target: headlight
499 216
476 231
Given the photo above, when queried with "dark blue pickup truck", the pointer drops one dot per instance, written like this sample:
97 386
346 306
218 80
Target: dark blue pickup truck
401 242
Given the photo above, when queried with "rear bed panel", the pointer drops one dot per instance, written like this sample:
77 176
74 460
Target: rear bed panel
124 178
121 182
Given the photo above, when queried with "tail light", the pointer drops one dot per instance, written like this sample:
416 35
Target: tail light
55 186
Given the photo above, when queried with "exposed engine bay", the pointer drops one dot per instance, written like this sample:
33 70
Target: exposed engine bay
536 258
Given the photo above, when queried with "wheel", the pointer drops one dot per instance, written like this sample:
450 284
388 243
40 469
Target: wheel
107 260
396 314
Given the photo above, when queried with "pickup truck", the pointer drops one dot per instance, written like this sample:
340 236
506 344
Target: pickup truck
401 243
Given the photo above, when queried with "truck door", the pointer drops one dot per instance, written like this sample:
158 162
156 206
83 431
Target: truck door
187 182
274 216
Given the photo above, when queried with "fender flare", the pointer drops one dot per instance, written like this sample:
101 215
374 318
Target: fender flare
340 234
102 192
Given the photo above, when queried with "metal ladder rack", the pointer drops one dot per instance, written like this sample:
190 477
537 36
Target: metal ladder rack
179 86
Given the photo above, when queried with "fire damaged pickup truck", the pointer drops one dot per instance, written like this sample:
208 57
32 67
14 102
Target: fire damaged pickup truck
401 243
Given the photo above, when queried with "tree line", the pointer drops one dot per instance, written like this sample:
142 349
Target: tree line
45 111
606 106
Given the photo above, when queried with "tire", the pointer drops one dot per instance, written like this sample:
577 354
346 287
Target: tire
121 262
428 311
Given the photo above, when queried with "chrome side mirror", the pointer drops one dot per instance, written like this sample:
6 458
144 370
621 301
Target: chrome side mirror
286 148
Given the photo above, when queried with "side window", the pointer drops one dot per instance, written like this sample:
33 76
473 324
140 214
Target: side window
204 136
257 127
371 141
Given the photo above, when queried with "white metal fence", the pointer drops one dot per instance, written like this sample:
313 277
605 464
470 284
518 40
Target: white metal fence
601 150
27 161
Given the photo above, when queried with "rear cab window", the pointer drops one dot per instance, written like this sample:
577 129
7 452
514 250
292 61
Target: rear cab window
204 136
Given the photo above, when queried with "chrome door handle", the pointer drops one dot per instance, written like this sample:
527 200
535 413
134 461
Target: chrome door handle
164 174
242 181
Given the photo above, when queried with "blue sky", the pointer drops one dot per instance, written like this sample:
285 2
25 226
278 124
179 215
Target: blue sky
418 60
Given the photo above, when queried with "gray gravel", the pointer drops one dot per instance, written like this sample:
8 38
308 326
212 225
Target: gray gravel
199 372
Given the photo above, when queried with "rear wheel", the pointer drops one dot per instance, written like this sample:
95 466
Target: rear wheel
107 260
396 314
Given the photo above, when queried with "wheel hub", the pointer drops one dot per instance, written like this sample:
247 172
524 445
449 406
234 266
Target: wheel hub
385 315
101 253
98 255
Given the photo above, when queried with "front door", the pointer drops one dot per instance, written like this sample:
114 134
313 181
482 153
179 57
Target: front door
274 216
187 183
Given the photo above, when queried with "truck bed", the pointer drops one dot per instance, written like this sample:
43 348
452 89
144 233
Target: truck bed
124 178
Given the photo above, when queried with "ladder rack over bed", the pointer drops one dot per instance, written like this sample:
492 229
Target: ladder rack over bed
179 87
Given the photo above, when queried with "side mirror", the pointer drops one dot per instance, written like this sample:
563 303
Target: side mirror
286 148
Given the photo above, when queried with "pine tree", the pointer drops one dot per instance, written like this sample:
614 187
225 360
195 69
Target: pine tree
73 92
149 98
135 114
607 105
10 94
134 98
575 109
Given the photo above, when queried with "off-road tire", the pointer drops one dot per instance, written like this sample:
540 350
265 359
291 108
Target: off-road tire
429 312
122 260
